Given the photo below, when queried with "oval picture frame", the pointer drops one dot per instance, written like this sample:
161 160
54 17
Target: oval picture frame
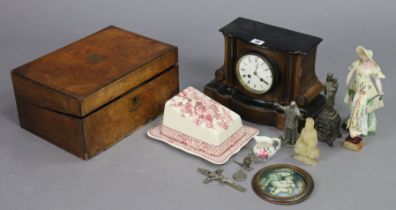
283 184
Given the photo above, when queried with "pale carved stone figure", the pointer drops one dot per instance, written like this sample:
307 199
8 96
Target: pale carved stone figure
306 147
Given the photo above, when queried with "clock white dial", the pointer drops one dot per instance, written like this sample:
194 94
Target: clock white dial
255 73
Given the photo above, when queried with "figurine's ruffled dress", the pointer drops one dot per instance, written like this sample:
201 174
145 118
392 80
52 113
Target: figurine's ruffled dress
363 96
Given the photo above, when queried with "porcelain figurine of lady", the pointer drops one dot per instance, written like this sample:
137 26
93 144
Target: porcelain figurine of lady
363 98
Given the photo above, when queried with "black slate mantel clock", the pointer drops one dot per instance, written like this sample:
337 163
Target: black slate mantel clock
264 65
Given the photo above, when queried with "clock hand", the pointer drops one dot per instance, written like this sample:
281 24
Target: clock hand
262 80
255 84
255 71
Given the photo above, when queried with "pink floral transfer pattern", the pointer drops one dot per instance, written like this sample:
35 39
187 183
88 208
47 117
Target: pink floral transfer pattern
214 154
201 145
203 110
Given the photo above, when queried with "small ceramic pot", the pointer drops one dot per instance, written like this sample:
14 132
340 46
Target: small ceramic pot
266 147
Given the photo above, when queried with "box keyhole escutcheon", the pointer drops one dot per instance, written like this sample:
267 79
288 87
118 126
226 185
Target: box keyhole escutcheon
136 103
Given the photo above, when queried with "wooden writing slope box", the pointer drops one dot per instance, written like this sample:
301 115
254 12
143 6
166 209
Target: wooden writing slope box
88 95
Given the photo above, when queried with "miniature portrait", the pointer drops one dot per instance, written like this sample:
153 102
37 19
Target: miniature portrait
282 184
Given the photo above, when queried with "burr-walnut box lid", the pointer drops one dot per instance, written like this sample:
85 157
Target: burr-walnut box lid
87 74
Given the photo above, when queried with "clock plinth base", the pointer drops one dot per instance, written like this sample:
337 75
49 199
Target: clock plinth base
253 110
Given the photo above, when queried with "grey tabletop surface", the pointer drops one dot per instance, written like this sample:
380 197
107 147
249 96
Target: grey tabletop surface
141 173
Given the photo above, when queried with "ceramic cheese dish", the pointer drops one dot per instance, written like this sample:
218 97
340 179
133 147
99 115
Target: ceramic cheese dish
200 126
198 116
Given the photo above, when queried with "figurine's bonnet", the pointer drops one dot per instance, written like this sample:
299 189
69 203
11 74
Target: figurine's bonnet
367 52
